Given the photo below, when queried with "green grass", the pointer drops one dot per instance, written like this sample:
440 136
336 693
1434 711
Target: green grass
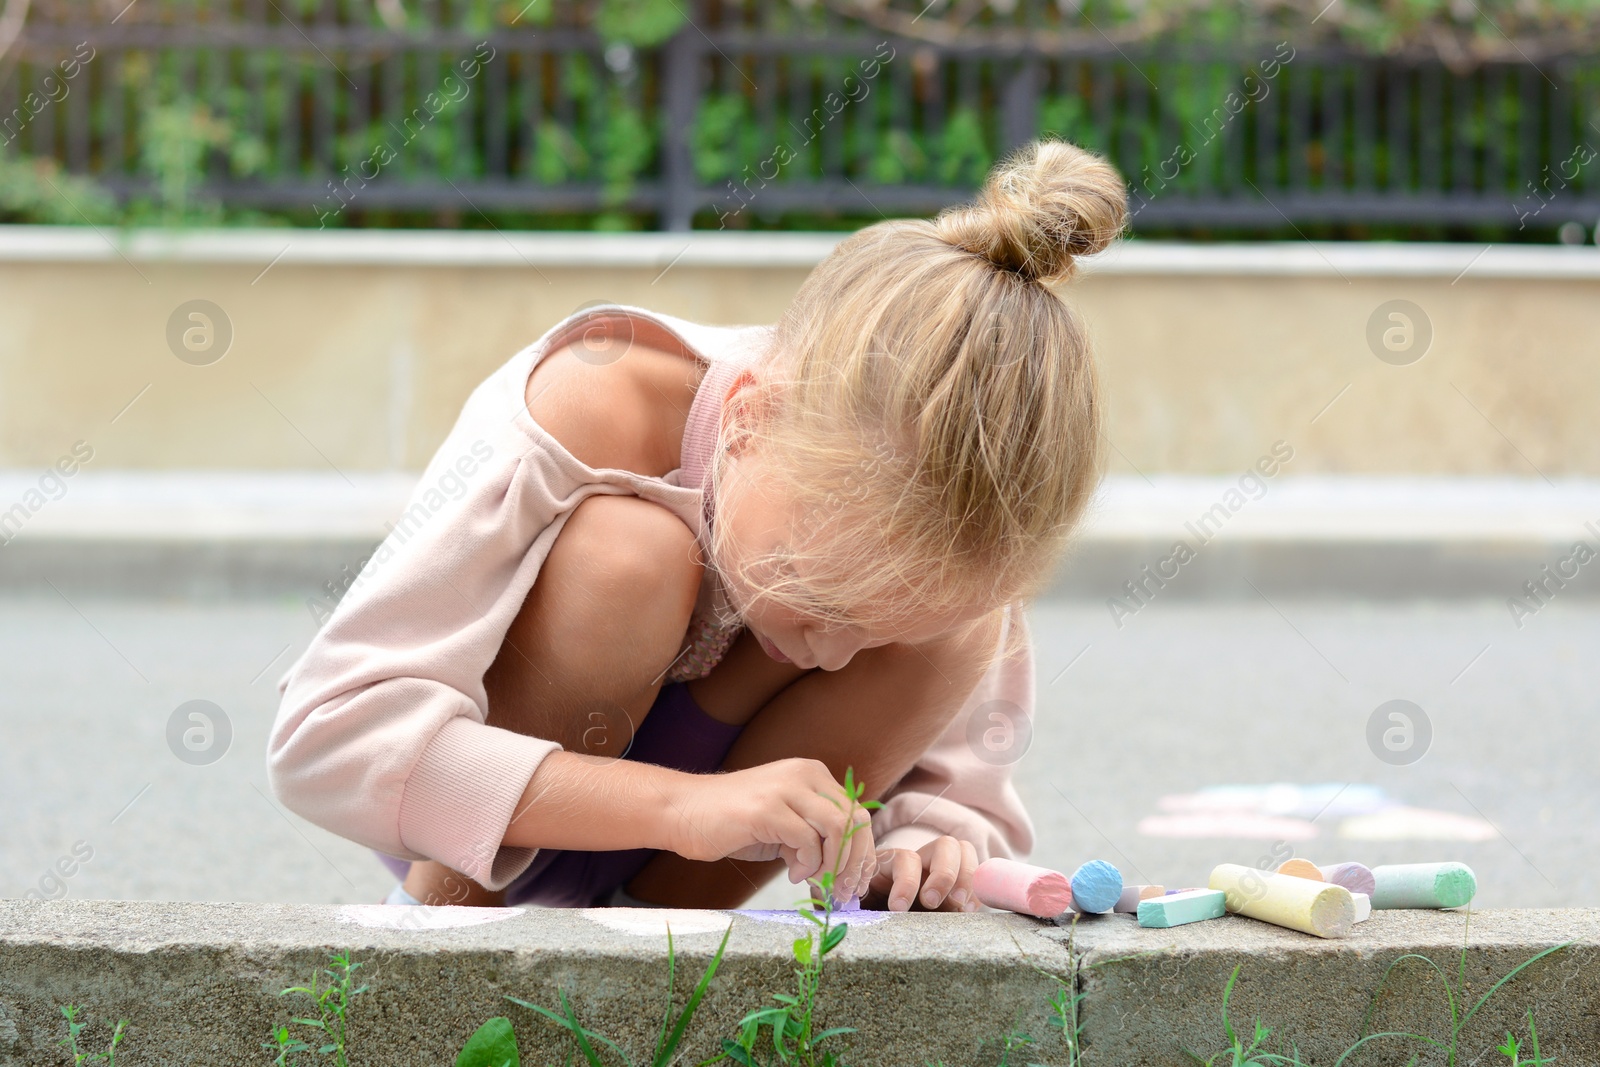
75 1030
667 1040
1254 1053
332 1005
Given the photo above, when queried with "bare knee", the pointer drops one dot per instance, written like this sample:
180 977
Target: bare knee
633 556
604 620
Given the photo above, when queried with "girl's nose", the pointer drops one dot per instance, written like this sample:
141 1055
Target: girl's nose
835 650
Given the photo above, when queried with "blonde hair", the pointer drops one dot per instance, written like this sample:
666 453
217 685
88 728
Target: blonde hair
930 406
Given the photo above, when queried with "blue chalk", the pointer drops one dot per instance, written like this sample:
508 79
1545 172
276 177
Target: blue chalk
1095 887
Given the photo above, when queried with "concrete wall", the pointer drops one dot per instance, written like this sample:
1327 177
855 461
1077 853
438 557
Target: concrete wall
354 351
198 982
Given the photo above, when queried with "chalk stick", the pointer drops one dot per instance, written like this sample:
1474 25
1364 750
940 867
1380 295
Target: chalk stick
1095 887
1022 887
1355 877
1191 906
1423 885
1284 900
1363 906
1299 868
1128 902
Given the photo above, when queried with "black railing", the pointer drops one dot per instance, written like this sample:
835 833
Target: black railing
768 115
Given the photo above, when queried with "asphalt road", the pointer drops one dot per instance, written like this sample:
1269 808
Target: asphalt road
1183 697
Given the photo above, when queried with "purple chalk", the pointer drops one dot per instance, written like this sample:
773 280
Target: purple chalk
1353 876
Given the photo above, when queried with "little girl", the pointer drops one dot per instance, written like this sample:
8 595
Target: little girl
664 582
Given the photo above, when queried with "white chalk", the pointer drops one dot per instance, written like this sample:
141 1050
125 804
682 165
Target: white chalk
1128 902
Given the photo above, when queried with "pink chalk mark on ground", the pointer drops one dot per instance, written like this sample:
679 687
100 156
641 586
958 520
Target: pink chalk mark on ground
792 918
1282 811
649 922
1416 824
1234 824
421 916
1288 799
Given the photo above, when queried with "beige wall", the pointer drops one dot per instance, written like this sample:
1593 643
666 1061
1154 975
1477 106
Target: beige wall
1205 373
1205 366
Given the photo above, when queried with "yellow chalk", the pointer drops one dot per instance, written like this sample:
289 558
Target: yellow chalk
1284 900
1299 868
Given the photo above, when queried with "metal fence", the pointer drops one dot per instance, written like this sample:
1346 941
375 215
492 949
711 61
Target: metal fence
765 114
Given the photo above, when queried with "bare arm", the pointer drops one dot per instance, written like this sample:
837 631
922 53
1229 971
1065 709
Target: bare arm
877 715
573 801
596 804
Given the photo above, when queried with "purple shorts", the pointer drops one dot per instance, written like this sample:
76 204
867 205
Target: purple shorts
677 734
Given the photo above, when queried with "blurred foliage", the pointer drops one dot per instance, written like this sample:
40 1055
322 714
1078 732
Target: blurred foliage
1455 30
1458 32
37 190
190 121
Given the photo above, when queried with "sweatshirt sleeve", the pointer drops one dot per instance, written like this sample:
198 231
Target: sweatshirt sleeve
381 735
961 787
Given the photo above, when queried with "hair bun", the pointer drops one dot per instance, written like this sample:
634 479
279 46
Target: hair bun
1047 203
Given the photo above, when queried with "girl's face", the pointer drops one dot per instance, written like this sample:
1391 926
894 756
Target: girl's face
756 524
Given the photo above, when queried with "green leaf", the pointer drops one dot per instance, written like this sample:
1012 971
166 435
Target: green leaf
802 950
494 1044
735 1052
664 1056
831 940
569 1022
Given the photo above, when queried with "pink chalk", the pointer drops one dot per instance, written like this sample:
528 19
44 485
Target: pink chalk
1023 888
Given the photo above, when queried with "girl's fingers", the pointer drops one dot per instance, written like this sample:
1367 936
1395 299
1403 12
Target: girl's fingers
849 876
962 895
905 875
828 820
883 874
857 872
944 864
798 845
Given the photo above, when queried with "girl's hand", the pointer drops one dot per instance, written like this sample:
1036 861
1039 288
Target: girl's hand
433 883
943 869
791 809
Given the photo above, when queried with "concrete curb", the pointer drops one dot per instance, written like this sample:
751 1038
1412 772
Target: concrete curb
1144 989
198 982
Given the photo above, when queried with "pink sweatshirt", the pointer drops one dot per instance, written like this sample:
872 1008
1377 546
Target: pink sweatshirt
381 734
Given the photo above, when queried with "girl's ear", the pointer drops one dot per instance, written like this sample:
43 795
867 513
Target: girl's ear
744 407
